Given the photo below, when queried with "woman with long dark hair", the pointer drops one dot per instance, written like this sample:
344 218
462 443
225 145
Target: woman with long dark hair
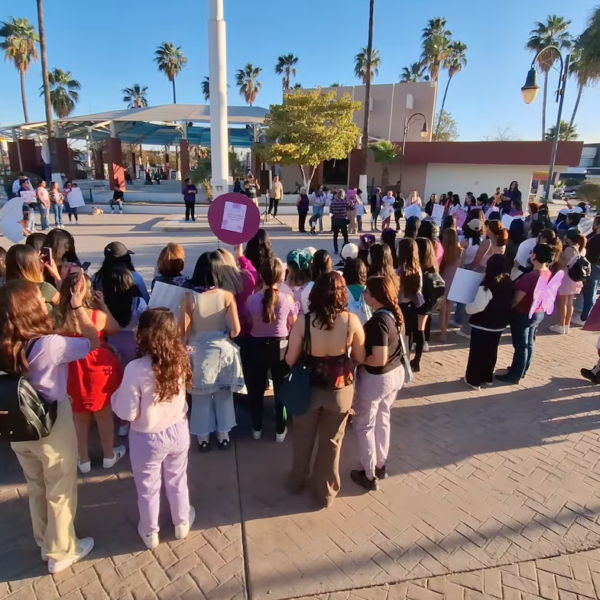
508 196
64 255
428 229
411 227
2 265
516 235
321 263
259 249
388 238
450 263
411 297
381 261
32 347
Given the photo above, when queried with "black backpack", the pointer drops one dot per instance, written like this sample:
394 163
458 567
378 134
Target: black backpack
580 270
24 416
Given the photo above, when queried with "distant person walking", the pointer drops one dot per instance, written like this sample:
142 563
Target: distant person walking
189 197
275 195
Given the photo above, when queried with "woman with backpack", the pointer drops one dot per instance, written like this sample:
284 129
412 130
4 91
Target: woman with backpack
355 275
33 349
378 381
576 269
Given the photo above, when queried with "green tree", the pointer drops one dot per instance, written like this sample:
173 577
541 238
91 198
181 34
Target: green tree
286 66
135 96
435 46
335 84
64 92
590 192
247 80
308 128
413 73
554 31
447 129
567 132
384 152
297 86
360 64
206 88
455 61
19 41
170 60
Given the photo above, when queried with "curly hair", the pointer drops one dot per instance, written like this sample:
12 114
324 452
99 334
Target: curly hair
22 319
158 337
328 298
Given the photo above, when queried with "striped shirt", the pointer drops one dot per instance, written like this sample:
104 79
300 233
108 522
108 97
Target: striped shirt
339 208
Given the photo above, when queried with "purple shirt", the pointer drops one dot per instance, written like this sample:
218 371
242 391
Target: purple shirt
49 364
284 308
189 193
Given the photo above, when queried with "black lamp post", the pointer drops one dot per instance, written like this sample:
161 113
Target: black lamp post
424 134
530 91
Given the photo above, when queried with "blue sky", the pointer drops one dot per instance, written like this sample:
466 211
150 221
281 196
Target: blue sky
109 45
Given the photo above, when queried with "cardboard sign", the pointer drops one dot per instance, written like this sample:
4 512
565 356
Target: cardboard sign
75 198
414 210
438 214
233 218
28 196
464 286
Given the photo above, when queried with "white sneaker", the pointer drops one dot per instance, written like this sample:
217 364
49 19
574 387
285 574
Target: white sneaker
560 329
280 437
473 387
462 334
124 430
577 321
257 434
84 547
425 347
118 453
181 531
150 541
85 467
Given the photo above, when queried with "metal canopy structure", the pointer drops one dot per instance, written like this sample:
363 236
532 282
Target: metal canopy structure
161 125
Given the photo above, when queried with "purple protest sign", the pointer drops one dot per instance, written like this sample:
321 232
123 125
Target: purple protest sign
233 218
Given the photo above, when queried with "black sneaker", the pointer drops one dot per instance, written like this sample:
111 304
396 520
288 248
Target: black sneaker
381 473
204 446
507 378
416 368
225 445
361 479
312 231
590 376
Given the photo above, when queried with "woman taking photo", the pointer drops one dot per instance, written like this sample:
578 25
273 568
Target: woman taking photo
336 340
32 348
62 245
378 381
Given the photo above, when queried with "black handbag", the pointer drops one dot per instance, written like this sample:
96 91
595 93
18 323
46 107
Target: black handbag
294 391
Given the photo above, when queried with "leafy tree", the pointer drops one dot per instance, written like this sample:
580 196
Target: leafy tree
553 31
447 129
384 152
64 92
206 88
455 61
360 64
413 73
286 66
135 96
335 84
19 42
297 86
170 60
308 128
566 132
590 192
247 81
435 46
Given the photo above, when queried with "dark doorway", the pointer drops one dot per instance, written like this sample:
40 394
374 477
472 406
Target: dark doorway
335 172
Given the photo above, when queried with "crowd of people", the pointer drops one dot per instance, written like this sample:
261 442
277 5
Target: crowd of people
162 366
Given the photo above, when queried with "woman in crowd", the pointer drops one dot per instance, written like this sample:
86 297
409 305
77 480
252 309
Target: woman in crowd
336 340
590 287
388 238
516 235
272 313
516 209
33 348
387 210
62 246
381 261
428 229
414 198
574 247
259 249
57 201
411 296
299 277
355 275
509 195
321 263
211 323
170 265
495 243
152 398
2 265
412 227
378 381
302 204
455 205
375 205
71 210
520 263
23 262
317 201
93 379
37 240
450 262
448 223
398 209
433 199
522 327
490 314
360 210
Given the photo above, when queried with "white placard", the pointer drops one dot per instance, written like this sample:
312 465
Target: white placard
464 286
10 216
165 295
75 198
234 215
438 214
414 210
491 210
507 220
27 196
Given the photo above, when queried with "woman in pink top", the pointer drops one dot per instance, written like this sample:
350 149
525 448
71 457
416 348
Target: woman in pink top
152 397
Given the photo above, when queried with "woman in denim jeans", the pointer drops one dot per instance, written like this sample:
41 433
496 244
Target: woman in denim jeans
57 201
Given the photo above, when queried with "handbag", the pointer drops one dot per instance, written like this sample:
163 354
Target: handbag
404 354
294 391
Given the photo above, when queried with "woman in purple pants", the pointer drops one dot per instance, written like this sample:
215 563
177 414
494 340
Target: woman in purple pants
152 397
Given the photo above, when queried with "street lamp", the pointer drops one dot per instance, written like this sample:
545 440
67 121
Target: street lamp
424 134
530 91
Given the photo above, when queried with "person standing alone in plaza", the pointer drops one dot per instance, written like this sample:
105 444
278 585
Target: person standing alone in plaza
339 218
44 203
302 203
275 196
375 204
189 197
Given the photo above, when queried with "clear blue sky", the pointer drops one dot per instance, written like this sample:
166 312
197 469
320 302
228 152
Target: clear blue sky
109 45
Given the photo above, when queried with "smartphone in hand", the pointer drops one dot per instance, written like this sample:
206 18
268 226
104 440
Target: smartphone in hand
46 254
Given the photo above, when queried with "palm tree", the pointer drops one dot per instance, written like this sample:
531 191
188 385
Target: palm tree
435 27
552 32
414 73
335 84
170 61
135 96
456 60
386 153
435 45
20 46
360 64
206 88
567 132
286 66
246 80
64 92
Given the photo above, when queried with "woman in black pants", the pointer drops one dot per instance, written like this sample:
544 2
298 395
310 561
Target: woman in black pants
411 296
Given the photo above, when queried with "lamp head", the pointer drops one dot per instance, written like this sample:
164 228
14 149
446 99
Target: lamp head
425 130
531 88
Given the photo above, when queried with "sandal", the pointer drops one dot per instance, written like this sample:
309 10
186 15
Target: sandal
204 446
224 445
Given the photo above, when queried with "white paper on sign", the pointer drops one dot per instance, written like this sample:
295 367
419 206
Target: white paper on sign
464 286
414 210
507 220
438 214
75 198
28 196
234 215
168 296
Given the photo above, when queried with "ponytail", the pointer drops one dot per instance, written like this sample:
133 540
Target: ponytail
270 298
271 273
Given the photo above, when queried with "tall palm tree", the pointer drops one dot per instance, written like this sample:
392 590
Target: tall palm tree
286 66
170 60
435 27
456 60
435 46
20 46
206 88
554 31
587 57
360 65
414 73
135 96
566 132
247 81
384 152
64 92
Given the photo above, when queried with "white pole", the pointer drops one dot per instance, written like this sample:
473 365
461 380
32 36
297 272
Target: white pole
217 58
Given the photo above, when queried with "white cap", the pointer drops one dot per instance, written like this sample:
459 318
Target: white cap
349 251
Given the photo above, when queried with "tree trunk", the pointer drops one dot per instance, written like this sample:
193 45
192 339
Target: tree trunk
544 106
385 177
174 95
579 92
443 104
365 143
306 180
23 97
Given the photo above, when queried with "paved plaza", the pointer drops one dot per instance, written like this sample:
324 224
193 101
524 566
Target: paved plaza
492 494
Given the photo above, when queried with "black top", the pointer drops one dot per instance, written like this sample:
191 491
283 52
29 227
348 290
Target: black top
496 315
381 330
